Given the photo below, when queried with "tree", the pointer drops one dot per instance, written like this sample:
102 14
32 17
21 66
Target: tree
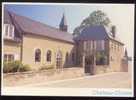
101 58
95 18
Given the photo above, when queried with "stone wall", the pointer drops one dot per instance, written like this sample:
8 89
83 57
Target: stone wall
116 53
12 48
44 44
15 79
100 69
124 65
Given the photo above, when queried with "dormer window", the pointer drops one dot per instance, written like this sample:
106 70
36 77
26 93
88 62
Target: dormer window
8 31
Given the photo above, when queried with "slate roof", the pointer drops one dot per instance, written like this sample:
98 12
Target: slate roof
98 32
7 18
27 25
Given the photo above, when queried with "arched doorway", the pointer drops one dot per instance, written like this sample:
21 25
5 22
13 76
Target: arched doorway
59 60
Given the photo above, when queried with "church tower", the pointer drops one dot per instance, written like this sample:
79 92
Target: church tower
63 24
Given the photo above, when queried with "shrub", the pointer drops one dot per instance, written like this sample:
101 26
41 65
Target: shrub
11 66
24 68
46 67
7 68
14 66
101 58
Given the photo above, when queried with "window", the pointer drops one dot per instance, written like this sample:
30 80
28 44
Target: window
37 55
48 56
112 58
115 46
8 57
88 45
112 46
8 30
100 45
59 59
67 56
94 44
118 47
84 45
73 57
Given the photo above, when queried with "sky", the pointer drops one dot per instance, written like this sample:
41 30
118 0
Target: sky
121 15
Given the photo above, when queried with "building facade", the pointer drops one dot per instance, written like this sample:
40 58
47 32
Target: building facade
38 44
96 41
35 43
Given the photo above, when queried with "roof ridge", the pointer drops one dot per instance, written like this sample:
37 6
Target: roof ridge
27 23
51 27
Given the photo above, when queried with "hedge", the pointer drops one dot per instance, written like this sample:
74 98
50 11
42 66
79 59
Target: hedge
46 67
15 66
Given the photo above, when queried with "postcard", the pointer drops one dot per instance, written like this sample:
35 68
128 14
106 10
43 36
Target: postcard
67 49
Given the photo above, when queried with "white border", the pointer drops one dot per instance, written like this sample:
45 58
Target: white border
2 48
60 91
75 4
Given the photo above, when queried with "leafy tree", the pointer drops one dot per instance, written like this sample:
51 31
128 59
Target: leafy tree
101 58
95 18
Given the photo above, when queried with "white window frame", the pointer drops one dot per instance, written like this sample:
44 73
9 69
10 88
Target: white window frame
10 28
7 60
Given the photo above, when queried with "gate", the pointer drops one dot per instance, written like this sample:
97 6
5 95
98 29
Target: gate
89 65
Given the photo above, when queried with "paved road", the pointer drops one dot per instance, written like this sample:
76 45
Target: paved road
109 80
65 87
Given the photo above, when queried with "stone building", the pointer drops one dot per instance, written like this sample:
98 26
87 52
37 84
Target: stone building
38 44
102 40
35 43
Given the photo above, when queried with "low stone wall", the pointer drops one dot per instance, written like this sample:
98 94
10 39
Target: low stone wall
100 69
124 65
15 79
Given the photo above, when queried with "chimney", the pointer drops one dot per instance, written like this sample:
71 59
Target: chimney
113 31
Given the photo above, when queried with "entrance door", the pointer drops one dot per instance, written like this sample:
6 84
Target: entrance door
89 65
59 60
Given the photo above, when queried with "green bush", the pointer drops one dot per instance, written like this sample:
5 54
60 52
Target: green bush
24 68
101 58
15 66
46 67
7 68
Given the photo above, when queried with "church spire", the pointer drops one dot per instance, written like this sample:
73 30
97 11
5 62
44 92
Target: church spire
63 24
